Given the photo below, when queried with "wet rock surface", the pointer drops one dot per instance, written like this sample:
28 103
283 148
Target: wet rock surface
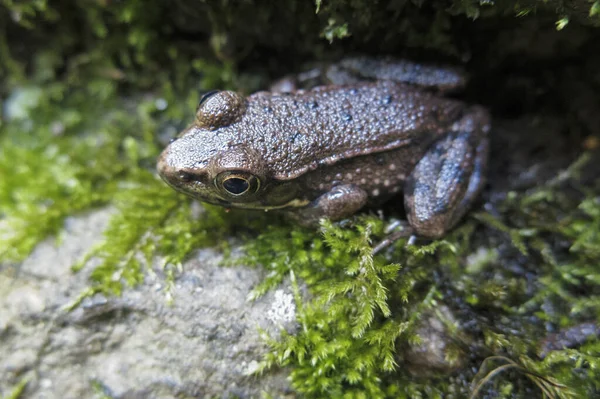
203 343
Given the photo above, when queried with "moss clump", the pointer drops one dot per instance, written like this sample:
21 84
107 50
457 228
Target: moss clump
360 307
68 141
361 312
49 172
18 390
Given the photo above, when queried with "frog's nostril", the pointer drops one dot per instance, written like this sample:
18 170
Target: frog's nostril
186 177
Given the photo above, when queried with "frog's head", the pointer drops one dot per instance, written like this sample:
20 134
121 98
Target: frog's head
230 177
211 164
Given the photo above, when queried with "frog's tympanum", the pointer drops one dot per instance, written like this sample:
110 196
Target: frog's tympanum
380 129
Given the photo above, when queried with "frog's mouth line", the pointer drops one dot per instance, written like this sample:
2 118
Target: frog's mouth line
295 203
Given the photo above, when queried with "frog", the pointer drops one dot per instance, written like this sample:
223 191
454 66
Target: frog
365 131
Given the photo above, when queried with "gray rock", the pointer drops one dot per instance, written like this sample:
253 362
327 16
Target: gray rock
430 356
201 342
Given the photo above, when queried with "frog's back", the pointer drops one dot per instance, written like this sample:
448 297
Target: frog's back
299 132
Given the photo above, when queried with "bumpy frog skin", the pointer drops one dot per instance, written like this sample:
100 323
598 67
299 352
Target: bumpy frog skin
331 150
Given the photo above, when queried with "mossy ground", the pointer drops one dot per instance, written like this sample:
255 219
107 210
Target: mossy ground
85 115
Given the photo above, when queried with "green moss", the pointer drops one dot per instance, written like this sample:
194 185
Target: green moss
70 144
46 178
595 9
100 391
18 390
359 309
335 31
346 344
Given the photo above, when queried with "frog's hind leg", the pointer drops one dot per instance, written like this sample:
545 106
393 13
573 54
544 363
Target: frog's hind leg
445 182
442 78
355 70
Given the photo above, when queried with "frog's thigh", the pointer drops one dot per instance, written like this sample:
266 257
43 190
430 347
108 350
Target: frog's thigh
338 203
445 182
398 70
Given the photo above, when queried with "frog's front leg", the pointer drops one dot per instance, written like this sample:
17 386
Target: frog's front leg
448 178
338 203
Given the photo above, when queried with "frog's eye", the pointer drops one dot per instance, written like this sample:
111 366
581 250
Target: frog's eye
219 108
237 184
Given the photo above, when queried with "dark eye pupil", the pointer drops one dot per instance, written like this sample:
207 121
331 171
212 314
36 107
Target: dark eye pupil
236 185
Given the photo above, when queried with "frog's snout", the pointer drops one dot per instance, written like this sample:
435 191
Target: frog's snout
174 172
166 170
162 166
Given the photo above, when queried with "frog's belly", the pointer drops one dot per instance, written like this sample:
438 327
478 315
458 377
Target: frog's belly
381 175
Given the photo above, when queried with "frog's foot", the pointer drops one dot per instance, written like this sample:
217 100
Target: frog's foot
445 182
338 203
